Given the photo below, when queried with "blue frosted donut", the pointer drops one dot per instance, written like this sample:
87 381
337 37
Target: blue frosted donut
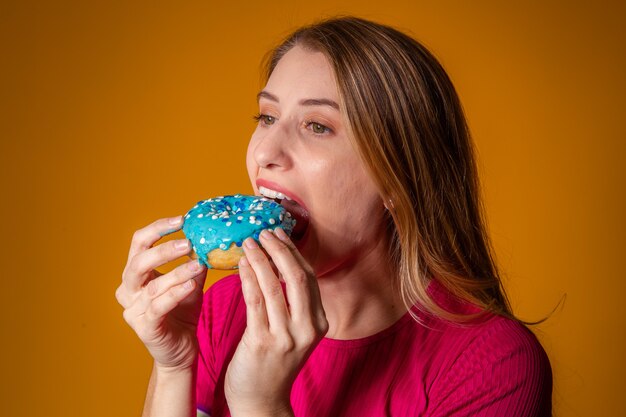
218 226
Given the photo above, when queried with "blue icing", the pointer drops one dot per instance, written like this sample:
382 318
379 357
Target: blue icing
218 222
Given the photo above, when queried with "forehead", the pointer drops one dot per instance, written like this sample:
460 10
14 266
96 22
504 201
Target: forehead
301 72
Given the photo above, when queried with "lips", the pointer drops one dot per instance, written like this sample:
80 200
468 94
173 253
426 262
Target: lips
292 203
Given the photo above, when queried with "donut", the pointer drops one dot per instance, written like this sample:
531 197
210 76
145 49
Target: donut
218 226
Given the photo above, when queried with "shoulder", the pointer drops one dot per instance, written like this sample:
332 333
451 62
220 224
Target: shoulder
502 340
498 361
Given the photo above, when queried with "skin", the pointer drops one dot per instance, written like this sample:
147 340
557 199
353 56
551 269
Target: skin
306 149
338 279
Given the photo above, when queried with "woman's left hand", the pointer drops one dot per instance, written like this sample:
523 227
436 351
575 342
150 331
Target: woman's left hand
279 336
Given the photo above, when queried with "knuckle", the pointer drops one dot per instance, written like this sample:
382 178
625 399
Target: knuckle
152 288
300 277
283 250
153 312
322 325
165 249
255 301
274 290
133 266
183 272
257 257
138 236
324 328
285 343
309 336
257 345
173 293
122 296
128 317
119 295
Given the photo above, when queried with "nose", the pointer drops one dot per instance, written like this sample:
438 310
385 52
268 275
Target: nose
270 149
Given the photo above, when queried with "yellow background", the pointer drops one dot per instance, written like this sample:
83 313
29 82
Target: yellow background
116 113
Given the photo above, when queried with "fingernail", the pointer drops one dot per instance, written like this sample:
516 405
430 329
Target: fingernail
244 261
267 234
194 266
182 244
250 243
280 233
174 221
189 284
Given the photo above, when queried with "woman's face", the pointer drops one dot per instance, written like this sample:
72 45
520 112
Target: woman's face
300 148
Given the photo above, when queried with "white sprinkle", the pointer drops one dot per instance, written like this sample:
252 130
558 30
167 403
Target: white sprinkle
200 215
251 221
194 249
222 246
202 241
280 216
288 214
253 212
229 223
258 222
187 216
214 216
239 217
272 221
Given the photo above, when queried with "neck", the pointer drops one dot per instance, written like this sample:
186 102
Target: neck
361 299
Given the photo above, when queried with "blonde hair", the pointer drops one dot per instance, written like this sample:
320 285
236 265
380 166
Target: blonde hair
408 126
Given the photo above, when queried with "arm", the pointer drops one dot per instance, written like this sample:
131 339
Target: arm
170 393
164 309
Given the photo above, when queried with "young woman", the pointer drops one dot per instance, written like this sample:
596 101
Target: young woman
390 302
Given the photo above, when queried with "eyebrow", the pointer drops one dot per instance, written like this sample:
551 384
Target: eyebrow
306 102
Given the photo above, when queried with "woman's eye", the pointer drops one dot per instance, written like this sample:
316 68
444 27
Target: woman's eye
265 119
318 128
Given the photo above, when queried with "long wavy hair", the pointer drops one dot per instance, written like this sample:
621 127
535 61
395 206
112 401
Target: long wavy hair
407 125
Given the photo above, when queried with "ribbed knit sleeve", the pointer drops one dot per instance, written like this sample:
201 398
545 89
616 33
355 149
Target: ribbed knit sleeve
502 371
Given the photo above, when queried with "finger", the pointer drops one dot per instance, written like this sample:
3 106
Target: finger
140 266
143 239
300 289
256 314
275 304
159 286
162 305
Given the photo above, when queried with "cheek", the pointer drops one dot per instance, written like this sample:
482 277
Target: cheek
362 217
251 165
356 211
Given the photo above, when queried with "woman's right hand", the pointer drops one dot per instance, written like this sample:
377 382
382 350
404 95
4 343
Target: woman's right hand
163 309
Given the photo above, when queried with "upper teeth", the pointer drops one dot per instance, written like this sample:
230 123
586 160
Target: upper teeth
272 194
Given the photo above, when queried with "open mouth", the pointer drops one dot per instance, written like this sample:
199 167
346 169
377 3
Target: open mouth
298 212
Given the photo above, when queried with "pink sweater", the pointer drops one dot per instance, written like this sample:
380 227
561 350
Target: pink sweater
494 368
